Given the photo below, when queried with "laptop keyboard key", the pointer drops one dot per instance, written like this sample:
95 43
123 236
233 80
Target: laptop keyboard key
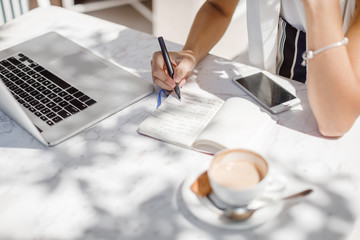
51 95
78 94
45 111
90 102
63 103
51 105
29 99
20 74
34 103
45 100
39 97
14 61
39 68
64 114
72 90
71 109
51 86
62 94
78 104
34 93
5 63
57 99
61 83
84 98
56 119
69 97
39 107
56 108
46 92
51 115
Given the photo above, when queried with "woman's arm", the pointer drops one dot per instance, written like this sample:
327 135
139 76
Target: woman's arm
208 27
333 79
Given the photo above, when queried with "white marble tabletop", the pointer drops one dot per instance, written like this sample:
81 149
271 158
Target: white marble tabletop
109 182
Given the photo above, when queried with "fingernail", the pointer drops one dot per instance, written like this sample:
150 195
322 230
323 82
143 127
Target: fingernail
181 83
172 84
177 79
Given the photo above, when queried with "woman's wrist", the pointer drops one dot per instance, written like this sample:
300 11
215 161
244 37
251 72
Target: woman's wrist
194 54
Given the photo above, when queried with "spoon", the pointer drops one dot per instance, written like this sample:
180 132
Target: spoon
243 213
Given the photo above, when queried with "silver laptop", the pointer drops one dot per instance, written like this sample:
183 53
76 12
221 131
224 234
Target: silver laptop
55 88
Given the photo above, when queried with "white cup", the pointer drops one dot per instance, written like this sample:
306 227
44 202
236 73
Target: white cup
238 176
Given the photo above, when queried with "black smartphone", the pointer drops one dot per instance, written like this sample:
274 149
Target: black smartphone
267 92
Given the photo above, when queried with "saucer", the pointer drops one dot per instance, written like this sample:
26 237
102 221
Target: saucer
205 210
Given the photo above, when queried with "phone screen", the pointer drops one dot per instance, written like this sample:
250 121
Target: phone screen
265 89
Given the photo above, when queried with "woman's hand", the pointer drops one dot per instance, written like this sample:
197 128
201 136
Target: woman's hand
183 63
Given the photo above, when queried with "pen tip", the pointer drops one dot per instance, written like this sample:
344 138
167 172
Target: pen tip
177 91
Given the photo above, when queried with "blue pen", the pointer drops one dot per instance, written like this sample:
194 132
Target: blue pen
168 64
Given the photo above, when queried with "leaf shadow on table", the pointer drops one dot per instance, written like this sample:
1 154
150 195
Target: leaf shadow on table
14 136
152 219
77 164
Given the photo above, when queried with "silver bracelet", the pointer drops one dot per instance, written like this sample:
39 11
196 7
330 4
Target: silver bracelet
310 54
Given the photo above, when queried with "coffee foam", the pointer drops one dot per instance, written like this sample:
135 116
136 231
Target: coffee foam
238 169
236 174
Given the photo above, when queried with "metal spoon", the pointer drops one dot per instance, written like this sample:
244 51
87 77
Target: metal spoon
243 213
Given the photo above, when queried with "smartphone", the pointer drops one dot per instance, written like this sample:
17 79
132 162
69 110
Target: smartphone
267 92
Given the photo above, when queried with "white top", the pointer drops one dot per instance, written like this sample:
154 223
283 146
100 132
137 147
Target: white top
262 21
293 12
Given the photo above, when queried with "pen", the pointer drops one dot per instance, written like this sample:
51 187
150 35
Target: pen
168 64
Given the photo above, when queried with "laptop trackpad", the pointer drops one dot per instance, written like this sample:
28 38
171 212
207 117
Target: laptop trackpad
80 65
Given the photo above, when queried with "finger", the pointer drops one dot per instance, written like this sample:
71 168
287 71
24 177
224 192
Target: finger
180 73
184 69
164 78
162 84
158 71
157 62
182 82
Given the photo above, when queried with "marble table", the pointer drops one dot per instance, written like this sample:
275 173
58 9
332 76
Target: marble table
109 182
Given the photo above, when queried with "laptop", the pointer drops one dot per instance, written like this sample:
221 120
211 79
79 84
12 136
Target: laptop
55 88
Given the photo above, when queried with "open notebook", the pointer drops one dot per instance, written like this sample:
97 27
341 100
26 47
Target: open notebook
204 122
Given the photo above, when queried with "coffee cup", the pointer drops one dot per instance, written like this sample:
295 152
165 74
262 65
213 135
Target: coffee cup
238 176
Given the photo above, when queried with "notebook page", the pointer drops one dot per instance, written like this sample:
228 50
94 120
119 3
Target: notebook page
180 122
238 124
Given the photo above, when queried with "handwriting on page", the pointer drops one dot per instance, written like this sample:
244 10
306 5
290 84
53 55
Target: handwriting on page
184 120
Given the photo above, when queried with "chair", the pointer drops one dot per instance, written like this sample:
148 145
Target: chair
85 6
10 9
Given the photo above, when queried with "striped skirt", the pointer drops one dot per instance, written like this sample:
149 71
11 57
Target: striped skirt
291 46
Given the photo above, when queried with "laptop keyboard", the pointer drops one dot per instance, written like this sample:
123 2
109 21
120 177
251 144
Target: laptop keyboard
44 94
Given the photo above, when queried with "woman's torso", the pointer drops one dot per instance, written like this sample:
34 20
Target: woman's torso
292 39
293 12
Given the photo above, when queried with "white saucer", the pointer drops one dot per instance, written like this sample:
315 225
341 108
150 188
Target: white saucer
204 210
